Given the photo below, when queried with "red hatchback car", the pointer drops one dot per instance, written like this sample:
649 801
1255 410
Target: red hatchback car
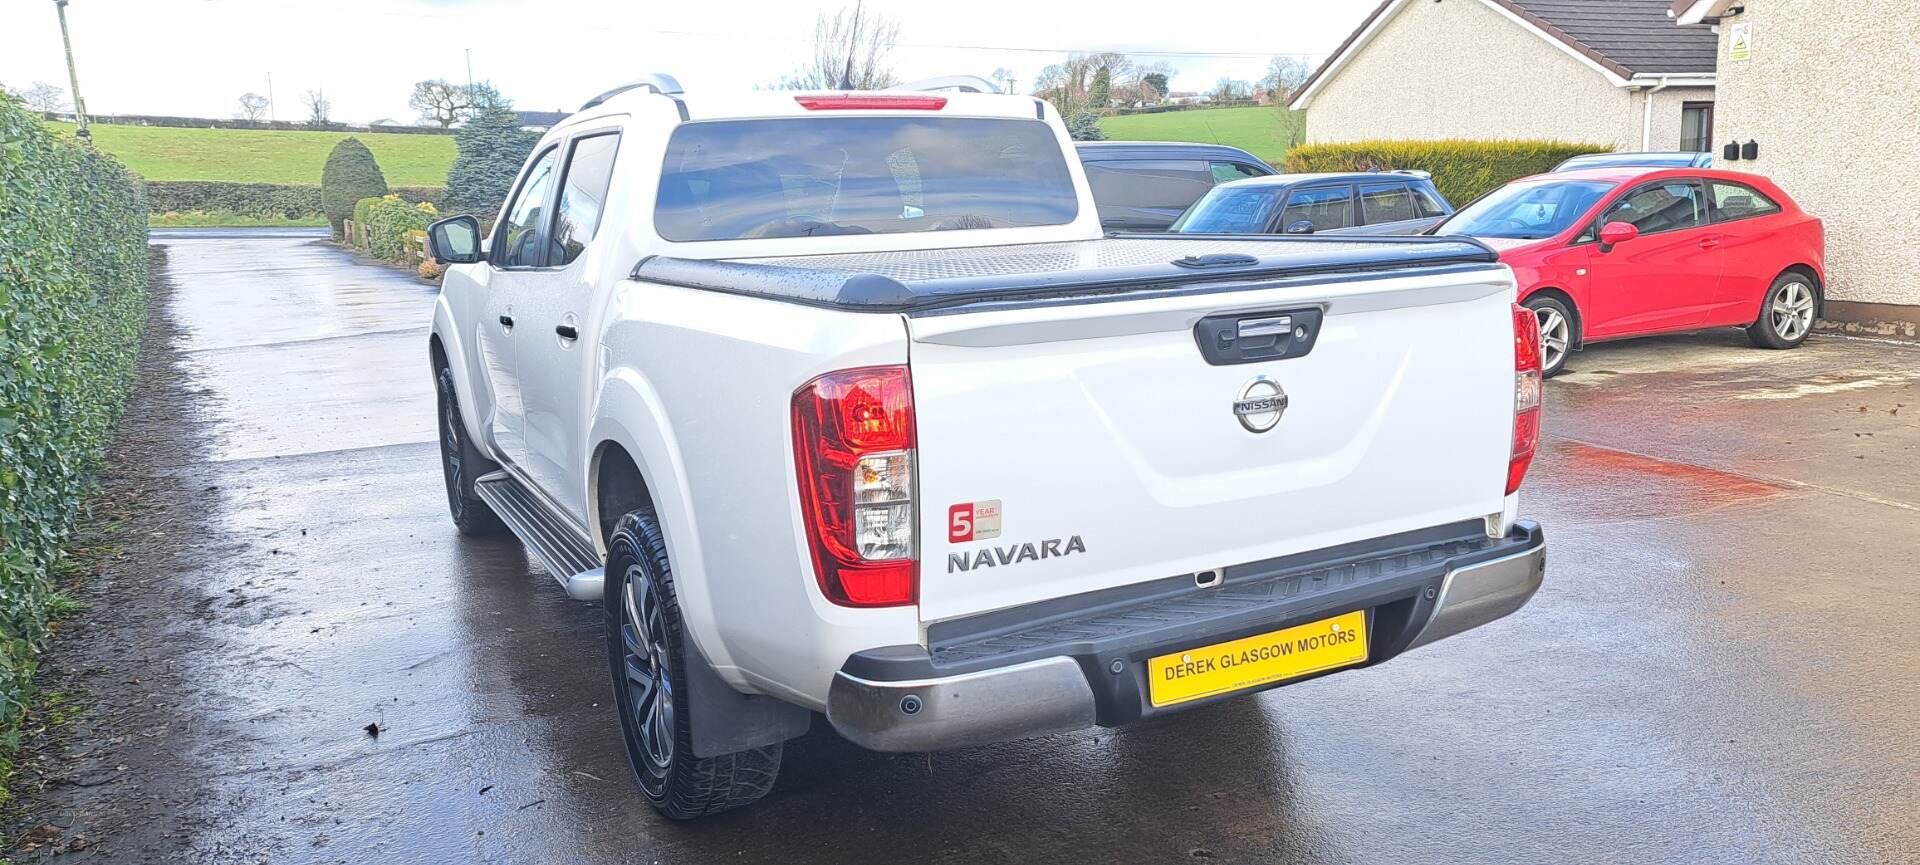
1608 253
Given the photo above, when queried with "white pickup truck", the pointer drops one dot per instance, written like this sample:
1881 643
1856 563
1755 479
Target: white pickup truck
843 404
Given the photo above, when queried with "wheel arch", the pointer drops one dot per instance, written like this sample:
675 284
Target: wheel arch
1562 295
635 462
444 348
1819 288
635 459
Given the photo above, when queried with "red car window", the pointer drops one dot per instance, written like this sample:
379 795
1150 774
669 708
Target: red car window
1733 201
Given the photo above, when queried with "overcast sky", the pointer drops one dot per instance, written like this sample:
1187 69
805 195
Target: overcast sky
195 57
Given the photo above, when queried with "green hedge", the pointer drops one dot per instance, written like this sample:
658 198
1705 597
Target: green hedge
1462 169
261 200
388 220
73 277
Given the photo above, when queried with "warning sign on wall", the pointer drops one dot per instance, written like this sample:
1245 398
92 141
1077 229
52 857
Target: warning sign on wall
1740 41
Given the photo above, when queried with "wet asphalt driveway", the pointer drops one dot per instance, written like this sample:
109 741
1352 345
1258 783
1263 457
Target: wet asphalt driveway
1724 665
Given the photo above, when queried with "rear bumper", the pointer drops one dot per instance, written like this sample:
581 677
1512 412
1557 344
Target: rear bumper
1077 662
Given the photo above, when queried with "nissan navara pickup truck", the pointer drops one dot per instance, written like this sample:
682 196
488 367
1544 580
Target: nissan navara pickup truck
841 403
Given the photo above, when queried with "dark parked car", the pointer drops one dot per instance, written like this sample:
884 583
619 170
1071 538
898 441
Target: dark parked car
1673 159
1372 202
1145 185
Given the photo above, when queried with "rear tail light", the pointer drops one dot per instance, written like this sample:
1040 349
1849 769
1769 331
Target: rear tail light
853 446
871 102
1526 394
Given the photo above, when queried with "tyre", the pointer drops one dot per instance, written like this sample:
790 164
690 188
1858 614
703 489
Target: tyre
461 462
646 653
1787 315
1556 332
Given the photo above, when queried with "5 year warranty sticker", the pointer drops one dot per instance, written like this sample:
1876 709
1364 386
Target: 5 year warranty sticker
973 521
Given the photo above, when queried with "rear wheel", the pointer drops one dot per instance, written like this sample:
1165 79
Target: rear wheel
1556 332
647 650
461 462
1787 316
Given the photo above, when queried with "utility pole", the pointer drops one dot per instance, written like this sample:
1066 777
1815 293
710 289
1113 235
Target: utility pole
73 77
469 74
271 117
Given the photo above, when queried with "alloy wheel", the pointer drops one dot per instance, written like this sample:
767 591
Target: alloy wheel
1554 336
649 683
1791 312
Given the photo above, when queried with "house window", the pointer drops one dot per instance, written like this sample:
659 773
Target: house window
1696 127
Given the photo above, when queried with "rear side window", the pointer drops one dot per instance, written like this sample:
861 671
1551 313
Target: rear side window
520 231
582 197
1158 184
1386 202
818 176
1429 202
1733 201
1227 172
1326 208
1668 206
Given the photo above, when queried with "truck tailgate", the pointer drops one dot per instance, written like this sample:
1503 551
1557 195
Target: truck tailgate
1070 447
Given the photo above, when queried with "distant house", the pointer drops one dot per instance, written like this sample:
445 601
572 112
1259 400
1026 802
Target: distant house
1616 73
541 121
1826 95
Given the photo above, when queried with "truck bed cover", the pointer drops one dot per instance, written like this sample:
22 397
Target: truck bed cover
929 280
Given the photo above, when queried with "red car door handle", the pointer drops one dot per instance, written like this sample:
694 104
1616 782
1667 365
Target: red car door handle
1709 242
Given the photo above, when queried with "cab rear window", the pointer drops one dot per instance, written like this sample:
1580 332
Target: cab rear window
819 176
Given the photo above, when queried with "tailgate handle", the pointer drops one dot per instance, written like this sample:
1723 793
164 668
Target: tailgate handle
1249 337
1218 259
1265 326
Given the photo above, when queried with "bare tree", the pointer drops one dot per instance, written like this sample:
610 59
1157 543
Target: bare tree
849 52
1231 89
318 107
1003 77
1070 85
41 96
253 107
440 102
1285 74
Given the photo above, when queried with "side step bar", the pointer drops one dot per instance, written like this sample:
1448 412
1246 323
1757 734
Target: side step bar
560 547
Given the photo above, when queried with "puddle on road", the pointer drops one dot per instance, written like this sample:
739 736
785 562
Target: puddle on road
1597 484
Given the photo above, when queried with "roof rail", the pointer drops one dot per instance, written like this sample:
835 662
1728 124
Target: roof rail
659 83
961 83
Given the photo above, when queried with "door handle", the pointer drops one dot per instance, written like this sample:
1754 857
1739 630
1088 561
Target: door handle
1709 242
506 321
566 332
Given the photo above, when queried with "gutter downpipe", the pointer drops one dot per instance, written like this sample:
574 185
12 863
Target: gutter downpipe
1646 117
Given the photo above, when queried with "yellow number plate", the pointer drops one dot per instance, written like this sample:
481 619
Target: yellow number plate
1227 667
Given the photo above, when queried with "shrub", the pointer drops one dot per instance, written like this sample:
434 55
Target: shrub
1462 169
390 220
350 175
434 195
73 275
492 147
260 200
1085 127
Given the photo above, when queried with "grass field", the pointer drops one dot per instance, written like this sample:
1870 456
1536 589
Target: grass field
1264 131
266 155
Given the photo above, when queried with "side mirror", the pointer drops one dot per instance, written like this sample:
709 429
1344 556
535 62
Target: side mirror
1617 232
455 240
1302 227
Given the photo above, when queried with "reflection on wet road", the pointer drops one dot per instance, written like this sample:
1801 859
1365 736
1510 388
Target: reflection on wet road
1724 665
